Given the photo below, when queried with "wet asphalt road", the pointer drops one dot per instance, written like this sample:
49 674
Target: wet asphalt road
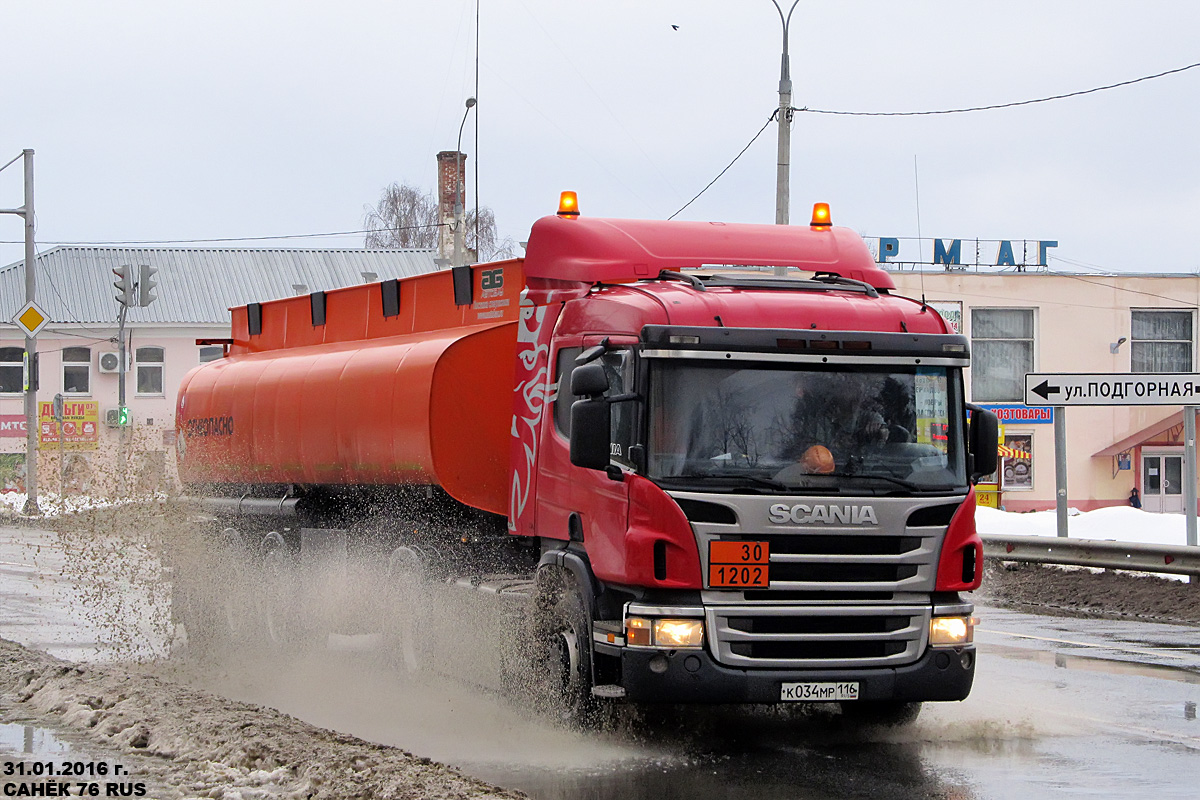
1062 707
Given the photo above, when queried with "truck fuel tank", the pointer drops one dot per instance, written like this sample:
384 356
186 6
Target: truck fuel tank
419 407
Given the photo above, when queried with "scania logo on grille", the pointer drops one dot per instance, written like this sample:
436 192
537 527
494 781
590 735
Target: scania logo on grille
802 513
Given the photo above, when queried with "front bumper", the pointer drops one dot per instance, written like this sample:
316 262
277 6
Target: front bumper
692 676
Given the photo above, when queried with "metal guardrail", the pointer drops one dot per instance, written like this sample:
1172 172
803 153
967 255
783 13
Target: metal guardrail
1164 558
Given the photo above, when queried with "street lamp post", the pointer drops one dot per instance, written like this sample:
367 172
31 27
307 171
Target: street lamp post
783 174
31 417
459 219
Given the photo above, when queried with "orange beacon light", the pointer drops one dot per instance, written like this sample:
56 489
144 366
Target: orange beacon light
568 205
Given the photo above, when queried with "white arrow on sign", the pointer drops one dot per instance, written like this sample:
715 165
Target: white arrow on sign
1112 389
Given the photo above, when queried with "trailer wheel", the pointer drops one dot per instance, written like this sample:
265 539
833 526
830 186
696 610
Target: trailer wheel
563 648
237 598
881 713
277 592
404 616
211 593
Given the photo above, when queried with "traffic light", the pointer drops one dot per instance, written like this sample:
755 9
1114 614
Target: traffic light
146 284
124 284
122 416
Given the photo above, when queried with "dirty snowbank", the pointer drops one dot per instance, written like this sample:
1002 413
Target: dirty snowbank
1115 524
206 746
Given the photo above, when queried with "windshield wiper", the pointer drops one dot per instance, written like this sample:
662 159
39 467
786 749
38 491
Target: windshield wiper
915 487
740 479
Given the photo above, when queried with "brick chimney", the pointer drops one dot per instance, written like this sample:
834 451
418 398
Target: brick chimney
452 170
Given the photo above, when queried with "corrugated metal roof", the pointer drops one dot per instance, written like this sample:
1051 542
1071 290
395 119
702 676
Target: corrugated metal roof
195 285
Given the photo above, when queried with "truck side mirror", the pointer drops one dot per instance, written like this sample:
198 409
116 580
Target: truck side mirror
982 437
589 380
590 431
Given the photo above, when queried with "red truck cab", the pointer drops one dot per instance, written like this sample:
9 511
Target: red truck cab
759 486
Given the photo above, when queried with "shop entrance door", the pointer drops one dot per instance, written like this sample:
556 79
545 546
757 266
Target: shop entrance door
1162 482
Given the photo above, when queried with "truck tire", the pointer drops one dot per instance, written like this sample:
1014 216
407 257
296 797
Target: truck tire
562 645
277 592
880 713
237 600
404 617
203 631
212 595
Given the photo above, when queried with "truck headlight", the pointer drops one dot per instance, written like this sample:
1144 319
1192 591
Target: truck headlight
951 631
678 633
667 633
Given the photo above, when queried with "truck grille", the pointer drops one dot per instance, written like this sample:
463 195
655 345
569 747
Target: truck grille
841 595
891 557
814 637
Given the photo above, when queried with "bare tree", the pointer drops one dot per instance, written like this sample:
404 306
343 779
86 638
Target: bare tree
484 239
406 217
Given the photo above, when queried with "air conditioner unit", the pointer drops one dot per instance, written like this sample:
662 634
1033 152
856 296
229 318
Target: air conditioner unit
109 362
112 418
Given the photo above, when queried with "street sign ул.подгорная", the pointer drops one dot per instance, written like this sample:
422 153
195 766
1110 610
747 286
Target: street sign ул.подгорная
1112 389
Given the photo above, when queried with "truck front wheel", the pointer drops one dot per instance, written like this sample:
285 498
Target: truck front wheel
563 647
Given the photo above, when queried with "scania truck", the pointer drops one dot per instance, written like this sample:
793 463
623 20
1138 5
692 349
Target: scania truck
711 463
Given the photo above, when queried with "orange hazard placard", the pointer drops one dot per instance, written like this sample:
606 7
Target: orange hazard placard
733 565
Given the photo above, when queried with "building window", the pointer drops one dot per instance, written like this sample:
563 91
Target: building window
149 364
1016 463
12 370
211 353
1001 353
1161 341
77 370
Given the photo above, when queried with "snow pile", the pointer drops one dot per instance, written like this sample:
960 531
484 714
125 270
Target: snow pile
205 746
1117 524
51 504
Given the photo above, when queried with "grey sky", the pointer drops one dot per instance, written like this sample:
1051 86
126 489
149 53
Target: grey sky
168 120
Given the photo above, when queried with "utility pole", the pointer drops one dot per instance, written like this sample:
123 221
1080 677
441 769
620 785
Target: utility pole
122 412
460 191
1060 471
127 295
1189 473
31 417
62 459
783 174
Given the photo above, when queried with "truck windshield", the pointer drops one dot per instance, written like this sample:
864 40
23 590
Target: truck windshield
805 428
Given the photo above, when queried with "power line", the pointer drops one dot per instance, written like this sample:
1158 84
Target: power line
1130 291
932 113
240 238
698 194
997 105
770 119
